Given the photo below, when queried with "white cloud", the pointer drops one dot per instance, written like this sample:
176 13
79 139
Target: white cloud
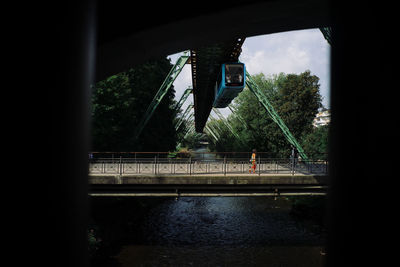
289 52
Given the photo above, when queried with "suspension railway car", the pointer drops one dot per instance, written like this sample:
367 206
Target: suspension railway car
230 82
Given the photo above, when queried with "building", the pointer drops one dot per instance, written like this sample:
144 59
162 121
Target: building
323 118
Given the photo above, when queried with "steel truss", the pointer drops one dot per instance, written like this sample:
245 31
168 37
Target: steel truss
166 85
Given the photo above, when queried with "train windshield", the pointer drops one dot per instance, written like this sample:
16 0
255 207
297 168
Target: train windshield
234 74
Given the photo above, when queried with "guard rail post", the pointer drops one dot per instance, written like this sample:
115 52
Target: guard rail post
326 166
190 166
120 165
225 165
155 165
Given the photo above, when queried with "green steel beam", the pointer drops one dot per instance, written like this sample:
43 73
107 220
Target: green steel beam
237 115
327 32
191 129
166 85
190 120
211 132
216 125
210 128
225 121
274 115
182 100
181 119
214 128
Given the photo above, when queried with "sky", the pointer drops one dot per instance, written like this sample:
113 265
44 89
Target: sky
287 52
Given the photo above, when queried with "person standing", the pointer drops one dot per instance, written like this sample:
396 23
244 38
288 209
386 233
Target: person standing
294 156
253 162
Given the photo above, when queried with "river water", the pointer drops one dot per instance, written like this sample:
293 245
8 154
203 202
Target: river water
208 231
204 231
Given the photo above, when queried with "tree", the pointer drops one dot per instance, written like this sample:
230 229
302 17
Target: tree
296 99
118 104
299 102
262 132
315 144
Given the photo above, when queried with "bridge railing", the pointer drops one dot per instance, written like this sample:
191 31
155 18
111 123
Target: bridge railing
190 166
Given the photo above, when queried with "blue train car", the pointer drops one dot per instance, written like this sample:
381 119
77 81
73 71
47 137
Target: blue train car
230 83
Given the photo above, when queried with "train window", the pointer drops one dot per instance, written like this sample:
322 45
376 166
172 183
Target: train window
234 74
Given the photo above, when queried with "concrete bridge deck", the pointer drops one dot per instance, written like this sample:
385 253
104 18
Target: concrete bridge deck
207 179
207 185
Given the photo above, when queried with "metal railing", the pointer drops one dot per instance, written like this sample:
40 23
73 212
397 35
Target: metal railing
192 166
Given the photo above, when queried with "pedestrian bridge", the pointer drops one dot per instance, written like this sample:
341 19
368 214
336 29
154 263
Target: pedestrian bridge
217 177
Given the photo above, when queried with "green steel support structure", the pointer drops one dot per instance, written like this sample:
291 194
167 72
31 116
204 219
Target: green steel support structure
215 128
173 74
166 85
274 115
189 131
240 118
225 121
182 100
327 32
181 119
211 132
216 125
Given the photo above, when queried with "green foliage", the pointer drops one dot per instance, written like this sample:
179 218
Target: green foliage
296 99
299 102
315 144
119 102
192 140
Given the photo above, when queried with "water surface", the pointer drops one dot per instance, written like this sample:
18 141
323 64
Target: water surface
220 231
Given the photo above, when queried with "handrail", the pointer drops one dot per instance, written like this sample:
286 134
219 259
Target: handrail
192 166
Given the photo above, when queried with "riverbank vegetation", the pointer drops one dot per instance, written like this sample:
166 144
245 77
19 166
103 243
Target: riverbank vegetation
119 103
295 97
